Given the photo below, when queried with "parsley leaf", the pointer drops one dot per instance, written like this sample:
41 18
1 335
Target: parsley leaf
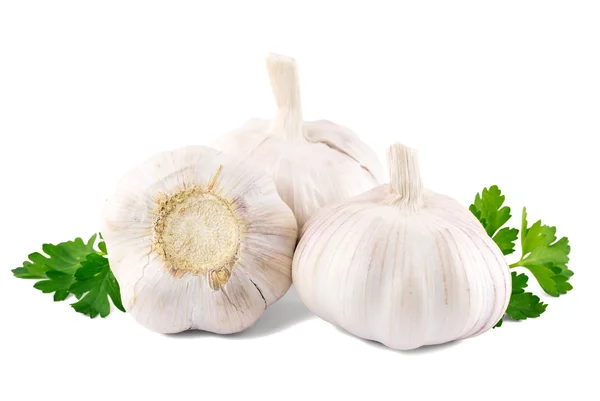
523 304
97 282
505 239
545 256
64 257
75 267
488 209
57 283
58 268
542 254
519 282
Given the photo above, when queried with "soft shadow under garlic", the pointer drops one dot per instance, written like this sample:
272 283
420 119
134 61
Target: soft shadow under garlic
283 314
426 349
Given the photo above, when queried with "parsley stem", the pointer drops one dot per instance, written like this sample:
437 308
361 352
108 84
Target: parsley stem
515 264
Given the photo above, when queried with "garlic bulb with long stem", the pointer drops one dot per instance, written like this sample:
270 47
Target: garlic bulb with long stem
312 163
401 264
198 240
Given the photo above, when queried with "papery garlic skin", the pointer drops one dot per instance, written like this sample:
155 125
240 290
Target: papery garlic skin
402 265
198 240
312 163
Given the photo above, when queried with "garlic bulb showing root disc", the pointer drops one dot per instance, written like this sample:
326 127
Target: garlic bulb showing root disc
312 163
198 240
402 265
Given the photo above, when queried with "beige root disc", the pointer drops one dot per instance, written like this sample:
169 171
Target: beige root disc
197 232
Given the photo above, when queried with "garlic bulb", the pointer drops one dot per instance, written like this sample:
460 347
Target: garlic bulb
312 163
198 240
402 265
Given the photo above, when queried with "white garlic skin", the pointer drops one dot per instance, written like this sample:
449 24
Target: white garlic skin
168 300
312 163
405 276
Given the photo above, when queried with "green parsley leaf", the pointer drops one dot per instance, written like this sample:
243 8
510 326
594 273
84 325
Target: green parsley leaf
97 282
545 256
57 283
58 268
542 254
488 209
523 305
65 257
77 268
505 239
519 282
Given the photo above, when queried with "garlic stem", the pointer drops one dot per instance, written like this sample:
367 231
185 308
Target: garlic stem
283 74
405 178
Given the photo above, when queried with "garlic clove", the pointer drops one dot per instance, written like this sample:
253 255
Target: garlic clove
401 264
161 301
199 240
240 304
312 163
344 141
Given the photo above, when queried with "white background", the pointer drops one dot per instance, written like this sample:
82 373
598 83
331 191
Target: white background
503 93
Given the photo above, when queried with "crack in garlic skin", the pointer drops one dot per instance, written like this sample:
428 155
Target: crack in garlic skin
197 232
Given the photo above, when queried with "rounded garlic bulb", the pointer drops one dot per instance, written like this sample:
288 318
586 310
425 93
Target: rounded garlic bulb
198 240
312 163
402 265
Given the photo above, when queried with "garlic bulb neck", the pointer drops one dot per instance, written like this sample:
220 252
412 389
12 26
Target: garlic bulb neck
283 74
405 177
